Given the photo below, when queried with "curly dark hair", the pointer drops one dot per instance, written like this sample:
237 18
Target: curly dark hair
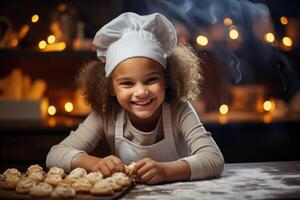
183 74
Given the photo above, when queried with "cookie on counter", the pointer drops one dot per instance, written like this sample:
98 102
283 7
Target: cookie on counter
41 190
56 171
11 182
11 172
34 168
24 186
53 179
78 172
93 177
63 190
122 179
82 185
37 176
102 187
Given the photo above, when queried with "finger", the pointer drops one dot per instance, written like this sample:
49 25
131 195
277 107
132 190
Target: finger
111 166
119 165
104 170
144 169
153 180
147 176
137 166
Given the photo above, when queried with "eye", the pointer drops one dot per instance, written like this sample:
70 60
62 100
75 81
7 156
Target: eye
152 80
126 84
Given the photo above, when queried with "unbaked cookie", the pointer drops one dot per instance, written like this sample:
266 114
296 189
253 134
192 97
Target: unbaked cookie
12 172
11 181
53 179
121 179
129 168
93 177
56 171
102 187
63 191
118 174
82 185
24 186
70 180
34 168
41 190
78 172
37 176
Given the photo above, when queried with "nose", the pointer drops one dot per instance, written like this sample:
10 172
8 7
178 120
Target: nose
141 91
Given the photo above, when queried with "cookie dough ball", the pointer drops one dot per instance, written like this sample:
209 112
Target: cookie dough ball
78 172
41 190
24 186
53 179
102 188
94 177
117 174
36 176
34 168
129 168
70 180
122 179
82 185
11 182
116 186
11 172
56 171
63 191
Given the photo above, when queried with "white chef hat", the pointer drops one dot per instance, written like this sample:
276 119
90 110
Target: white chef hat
132 35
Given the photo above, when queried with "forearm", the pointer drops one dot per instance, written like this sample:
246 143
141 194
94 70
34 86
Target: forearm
85 161
176 171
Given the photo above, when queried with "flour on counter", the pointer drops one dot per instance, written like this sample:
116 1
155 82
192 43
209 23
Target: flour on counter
253 183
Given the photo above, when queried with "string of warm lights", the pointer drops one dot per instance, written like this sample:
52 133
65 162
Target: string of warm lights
233 34
68 107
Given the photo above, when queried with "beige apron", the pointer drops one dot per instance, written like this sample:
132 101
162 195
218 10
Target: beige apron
164 150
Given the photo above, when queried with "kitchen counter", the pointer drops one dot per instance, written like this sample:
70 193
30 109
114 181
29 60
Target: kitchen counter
261 180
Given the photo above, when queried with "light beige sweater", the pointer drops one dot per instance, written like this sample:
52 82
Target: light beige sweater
193 143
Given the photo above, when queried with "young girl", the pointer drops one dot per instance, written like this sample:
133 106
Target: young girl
140 93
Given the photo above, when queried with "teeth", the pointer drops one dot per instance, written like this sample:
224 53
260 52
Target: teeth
141 103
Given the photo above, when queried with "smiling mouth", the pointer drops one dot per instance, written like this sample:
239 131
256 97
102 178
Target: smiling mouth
142 103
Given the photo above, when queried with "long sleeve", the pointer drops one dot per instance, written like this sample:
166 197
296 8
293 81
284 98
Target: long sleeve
83 140
205 157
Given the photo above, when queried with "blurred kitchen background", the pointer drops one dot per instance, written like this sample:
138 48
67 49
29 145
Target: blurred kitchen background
250 99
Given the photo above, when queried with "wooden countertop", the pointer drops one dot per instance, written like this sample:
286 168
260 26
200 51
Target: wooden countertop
265 180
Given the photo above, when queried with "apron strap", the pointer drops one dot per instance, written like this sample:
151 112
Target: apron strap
167 124
119 124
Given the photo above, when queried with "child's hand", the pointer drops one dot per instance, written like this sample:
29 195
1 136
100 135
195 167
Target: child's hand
149 171
109 165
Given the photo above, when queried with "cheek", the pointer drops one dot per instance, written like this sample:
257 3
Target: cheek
122 94
159 89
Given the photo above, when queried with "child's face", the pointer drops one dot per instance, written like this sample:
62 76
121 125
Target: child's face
139 85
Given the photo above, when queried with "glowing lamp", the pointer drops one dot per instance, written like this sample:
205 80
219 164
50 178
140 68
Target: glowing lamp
233 34
69 107
224 109
267 105
202 40
227 21
51 110
51 39
42 44
269 37
34 18
287 41
284 20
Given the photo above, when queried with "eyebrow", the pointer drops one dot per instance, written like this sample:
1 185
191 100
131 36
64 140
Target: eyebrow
128 79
